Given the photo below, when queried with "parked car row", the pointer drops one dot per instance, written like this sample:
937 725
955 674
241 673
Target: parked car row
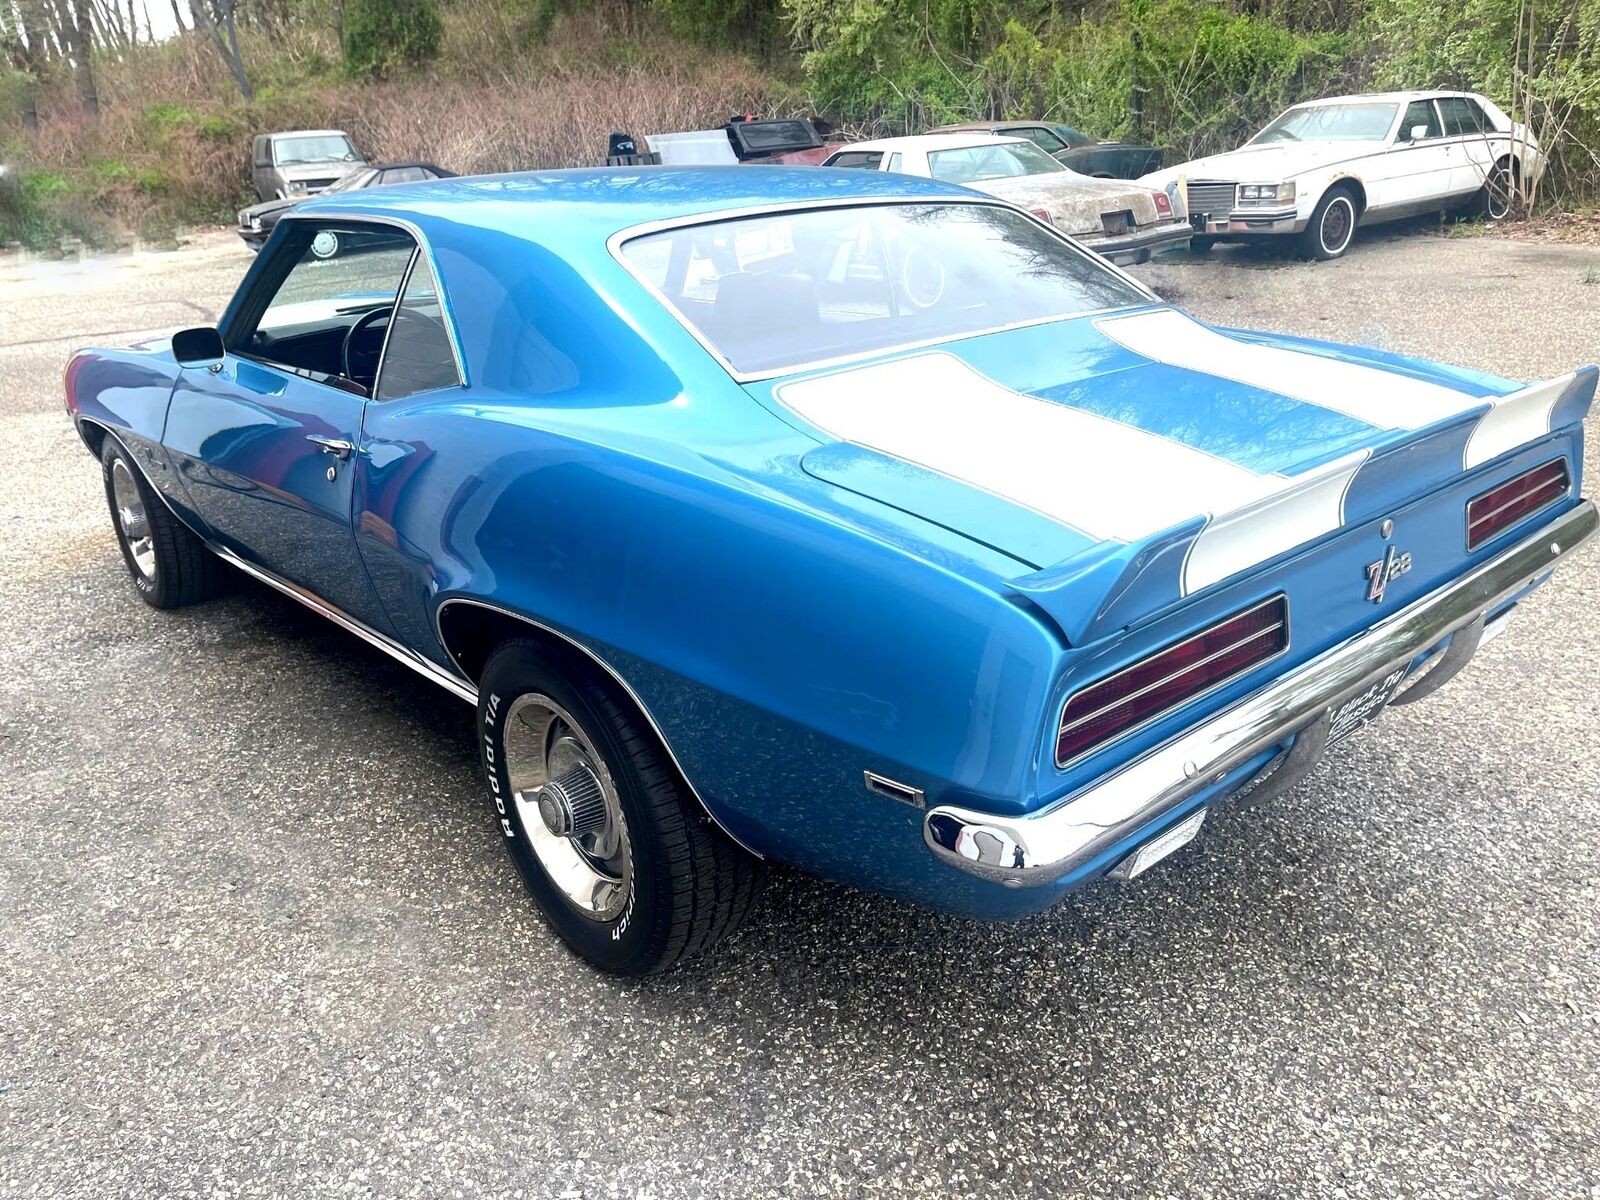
1317 173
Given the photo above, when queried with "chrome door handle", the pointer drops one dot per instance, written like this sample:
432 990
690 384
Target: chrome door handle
337 447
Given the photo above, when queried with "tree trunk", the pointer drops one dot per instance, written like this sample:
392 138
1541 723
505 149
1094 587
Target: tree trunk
229 49
83 54
177 15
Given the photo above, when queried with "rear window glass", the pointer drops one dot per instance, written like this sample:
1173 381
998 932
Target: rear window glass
779 291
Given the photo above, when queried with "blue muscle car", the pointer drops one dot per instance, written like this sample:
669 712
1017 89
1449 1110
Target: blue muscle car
848 520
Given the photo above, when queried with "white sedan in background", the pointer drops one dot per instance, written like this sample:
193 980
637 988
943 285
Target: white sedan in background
1327 166
1121 220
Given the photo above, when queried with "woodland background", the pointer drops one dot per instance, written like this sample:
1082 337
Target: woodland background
124 118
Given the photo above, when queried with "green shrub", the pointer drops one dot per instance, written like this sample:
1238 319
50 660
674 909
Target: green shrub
382 35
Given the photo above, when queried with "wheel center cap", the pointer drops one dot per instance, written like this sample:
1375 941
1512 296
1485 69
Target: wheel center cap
573 803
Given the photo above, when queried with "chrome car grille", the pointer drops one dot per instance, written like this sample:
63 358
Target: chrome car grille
1213 198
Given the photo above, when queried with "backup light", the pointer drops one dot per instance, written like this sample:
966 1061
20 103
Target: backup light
1159 683
1504 505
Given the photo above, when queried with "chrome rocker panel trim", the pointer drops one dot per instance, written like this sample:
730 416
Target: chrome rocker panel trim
1041 847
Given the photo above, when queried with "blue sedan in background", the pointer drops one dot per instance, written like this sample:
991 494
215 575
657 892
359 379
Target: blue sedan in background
847 520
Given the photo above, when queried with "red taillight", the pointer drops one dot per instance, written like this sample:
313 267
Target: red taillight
1503 506
1167 678
1043 214
1163 204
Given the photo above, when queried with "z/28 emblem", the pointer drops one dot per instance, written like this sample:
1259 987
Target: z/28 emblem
1385 571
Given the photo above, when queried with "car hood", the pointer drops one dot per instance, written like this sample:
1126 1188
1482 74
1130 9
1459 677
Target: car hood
266 208
1075 202
1143 440
1271 162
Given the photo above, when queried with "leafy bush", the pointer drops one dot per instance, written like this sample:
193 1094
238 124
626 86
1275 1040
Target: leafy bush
382 35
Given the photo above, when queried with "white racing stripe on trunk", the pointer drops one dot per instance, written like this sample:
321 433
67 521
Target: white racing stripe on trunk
1101 477
1378 397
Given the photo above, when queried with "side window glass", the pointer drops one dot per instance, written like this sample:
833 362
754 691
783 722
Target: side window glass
861 159
404 175
419 356
330 291
1420 112
1041 138
1461 117
1477 117
894 162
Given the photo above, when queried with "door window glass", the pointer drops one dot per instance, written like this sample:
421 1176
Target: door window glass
1042 138
419 356
404 175
1461 116
328 293
1419 112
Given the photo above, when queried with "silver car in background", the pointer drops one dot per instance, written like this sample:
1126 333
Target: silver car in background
301 162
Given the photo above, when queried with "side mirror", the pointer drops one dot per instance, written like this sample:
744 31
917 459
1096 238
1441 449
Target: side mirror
1419 133
196 347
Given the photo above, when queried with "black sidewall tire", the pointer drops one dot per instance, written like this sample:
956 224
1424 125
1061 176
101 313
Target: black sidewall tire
154 591
631 943
1314 242
1501 176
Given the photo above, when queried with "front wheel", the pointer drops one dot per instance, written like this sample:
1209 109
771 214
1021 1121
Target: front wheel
170 566
618 855
1332 226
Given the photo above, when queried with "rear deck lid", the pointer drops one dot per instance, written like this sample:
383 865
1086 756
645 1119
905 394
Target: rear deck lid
1138 457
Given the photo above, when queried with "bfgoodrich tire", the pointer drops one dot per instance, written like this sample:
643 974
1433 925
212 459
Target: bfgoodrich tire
1333 224
618 856
170 566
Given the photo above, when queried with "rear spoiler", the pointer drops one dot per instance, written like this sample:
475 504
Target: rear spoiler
1115 584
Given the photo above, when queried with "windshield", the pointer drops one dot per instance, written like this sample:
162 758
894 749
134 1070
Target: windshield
324 147
354 181
1365 122
994 160
775 292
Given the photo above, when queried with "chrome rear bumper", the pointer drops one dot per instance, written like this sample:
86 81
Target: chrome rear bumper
1043 846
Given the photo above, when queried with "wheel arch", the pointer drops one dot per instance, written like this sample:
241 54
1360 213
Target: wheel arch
1349 183
469 644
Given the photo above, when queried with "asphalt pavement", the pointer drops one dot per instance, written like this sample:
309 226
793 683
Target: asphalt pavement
260 937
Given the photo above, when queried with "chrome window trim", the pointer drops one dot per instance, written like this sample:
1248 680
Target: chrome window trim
1063 764
616 242
446 309
615 676
394 316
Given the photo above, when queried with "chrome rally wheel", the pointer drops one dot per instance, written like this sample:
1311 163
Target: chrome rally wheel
168 563
568 805
133 521
610 842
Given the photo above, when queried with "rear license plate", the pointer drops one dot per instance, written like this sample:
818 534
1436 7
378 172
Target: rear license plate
1350 715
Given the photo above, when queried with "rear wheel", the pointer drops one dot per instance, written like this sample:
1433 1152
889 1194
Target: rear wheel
170 566
617 854
1333 224
1494 200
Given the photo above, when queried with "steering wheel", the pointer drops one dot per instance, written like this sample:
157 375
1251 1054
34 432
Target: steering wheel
362 324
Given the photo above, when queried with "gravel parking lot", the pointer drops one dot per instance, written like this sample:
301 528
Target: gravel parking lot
260 937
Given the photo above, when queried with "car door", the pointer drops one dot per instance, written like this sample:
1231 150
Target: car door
1415 173
1466 125
269 439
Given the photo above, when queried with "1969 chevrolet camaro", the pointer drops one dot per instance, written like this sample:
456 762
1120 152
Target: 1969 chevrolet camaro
849 520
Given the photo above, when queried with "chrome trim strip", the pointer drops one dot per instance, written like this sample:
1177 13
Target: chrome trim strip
394 319
430 670
445 308
615 676
615 242
1041 847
